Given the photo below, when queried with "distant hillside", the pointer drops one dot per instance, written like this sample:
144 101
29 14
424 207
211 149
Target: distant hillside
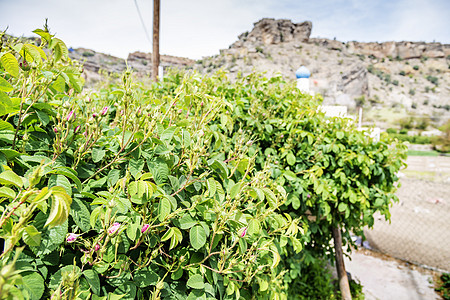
399 79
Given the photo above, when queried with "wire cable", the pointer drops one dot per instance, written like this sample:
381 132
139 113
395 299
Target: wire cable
142 22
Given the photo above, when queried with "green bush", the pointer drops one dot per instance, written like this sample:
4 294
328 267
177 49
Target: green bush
391 130
195 187
128 191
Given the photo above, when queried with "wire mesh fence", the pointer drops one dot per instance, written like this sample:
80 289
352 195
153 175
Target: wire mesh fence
419 231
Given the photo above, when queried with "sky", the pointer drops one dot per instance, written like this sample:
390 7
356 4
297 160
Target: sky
197 28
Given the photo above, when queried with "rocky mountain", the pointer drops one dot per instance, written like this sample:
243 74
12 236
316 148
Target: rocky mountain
391 80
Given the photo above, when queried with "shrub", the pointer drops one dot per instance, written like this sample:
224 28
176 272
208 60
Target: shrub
391 130
88 54
432 79
129 191
416 67
412 92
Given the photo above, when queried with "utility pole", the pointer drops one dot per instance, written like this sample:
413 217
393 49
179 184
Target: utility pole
155 54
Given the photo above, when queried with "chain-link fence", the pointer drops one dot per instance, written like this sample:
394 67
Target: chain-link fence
419 231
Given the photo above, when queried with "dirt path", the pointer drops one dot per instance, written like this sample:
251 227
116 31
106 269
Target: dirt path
384 278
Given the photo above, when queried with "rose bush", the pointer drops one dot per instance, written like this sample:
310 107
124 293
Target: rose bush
126 192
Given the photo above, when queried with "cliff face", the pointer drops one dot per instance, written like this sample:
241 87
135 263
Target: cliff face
408 77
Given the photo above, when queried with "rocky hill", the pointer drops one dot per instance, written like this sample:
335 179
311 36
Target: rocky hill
392 81
398 79
96 63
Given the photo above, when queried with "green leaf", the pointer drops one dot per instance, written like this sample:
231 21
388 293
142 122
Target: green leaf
164 208
8 177
5 86
340 135
60 48
68 173
186 138
6 126
144 278
254 227
59 84
33 283
197 237
113 177
160 171
60 181
271 198
10 154
136 166
31 236
211 185
80 214
7 105
97 154
295 201
10 63
167 134
31 53
59 212
234 191
187 222
44 34
93 280
196 282
51 238
6 192
290 158
342 207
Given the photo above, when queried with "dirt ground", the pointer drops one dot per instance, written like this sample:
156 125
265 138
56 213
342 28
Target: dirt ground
419 231
418 234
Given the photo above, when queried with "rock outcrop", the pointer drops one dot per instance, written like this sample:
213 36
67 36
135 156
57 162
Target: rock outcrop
400 50
270 31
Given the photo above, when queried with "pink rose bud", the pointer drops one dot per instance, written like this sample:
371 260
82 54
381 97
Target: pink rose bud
202 104
97 247
308 196
249 143
144 228
71 237
114 227
95 115
244 232
71 116
104 110
264 114
282 136
76 129
55 130
180 111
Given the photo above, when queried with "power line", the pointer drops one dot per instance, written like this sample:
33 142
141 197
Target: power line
142 22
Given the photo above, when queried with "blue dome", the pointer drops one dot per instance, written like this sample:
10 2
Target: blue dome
302 72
